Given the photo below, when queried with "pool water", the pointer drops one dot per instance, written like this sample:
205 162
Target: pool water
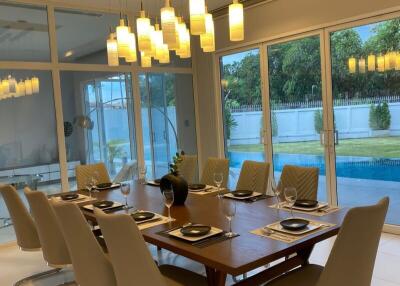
346 166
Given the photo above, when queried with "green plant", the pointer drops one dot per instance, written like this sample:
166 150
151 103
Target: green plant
174 167
228 118
379 116
318 121
115 150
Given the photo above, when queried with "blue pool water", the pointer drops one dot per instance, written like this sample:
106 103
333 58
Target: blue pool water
346 166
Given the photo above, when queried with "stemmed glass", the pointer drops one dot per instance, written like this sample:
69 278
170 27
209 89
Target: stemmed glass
218 179
277 193
143 172
291 197
91 183
125 190
229 209
168 201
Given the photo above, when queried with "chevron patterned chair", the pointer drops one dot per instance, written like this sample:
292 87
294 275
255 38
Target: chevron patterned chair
254 176
304 179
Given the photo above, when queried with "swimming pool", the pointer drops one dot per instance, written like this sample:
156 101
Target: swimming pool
346 166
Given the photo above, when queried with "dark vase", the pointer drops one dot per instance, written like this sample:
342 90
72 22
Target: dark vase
179 185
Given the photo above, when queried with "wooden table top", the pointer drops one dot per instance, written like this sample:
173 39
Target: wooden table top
235 256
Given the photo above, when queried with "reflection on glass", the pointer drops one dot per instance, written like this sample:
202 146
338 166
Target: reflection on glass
28 141
296 106
24 34
366 99
99 122
242 109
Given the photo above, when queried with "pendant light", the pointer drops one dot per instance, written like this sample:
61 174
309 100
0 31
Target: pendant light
207 40
397 66
197 9
158 41
380 63
13 85
28 87
35 84
371 62
387 61
352 65
152 51
164 59
361 65
187 53
236 25
20 89
112 51
123 39
181 37
6 87
132 56
1 92
169 25
392 60
145 60
143 31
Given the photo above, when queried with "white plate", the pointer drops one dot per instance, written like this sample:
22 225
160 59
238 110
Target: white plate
177 233
231 196
277 227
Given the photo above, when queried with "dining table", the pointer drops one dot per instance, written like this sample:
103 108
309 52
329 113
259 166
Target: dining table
235 256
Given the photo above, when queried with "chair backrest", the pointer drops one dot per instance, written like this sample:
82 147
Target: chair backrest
352 257
54 249
24 226
188 167
127 172
304 179
132 261
91 265
254 176
214 165
83 172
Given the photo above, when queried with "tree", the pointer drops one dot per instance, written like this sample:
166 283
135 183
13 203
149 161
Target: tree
379 116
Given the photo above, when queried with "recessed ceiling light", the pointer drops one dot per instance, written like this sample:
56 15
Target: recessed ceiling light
69 53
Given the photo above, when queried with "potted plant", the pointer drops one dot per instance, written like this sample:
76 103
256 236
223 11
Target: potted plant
175 181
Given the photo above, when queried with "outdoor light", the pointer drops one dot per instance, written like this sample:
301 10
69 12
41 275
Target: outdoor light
169 26
132 56
236 27
145 60
112 51
361 65
371 62
143 31
123 39
28 87
387 62
381 63
352 65
397 66
207 40
35 84
197 10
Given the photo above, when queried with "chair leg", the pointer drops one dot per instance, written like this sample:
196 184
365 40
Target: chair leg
37 276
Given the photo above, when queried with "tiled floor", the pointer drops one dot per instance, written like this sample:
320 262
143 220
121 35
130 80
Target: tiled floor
15 264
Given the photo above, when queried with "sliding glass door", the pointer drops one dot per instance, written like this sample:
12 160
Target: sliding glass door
365 67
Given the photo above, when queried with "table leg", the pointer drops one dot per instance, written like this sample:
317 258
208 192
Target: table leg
305 254
215 277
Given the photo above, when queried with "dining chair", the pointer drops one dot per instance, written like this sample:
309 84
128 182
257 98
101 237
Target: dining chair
55 251
215 165
127 172
25 229
123 239
188 167
304 179
91 265
83 172
254 176
352 258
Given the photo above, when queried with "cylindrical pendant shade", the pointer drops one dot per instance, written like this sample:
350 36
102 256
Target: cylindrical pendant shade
35 84
158 42
13 85
352 65
132 56
371 62
197 17
145 60
21 89
207 40
392 60
6 87
164 55
236 25
169 26
152 51
143 32
380 60
112 51
361 65
28 87
123 39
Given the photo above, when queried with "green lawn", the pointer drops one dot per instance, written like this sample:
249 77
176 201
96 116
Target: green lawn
386 147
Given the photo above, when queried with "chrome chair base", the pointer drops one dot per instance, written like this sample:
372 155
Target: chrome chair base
42 275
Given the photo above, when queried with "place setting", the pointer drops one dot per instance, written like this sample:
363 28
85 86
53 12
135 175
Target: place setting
72 197
245 196
294 228
208 190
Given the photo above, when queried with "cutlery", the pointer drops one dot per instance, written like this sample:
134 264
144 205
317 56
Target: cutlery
270 232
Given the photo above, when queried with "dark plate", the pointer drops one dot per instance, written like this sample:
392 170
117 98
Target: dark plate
104 185
195 230
103 204
141 216
68 197
196 186
306 203
294 223
242 193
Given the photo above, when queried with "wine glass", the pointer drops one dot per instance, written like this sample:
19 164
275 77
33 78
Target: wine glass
218 179
168 201
95 180
143 172
90 184
229 209
291 197
125 190
277 193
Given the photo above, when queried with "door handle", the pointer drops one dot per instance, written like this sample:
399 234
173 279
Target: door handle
336 137
322 137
